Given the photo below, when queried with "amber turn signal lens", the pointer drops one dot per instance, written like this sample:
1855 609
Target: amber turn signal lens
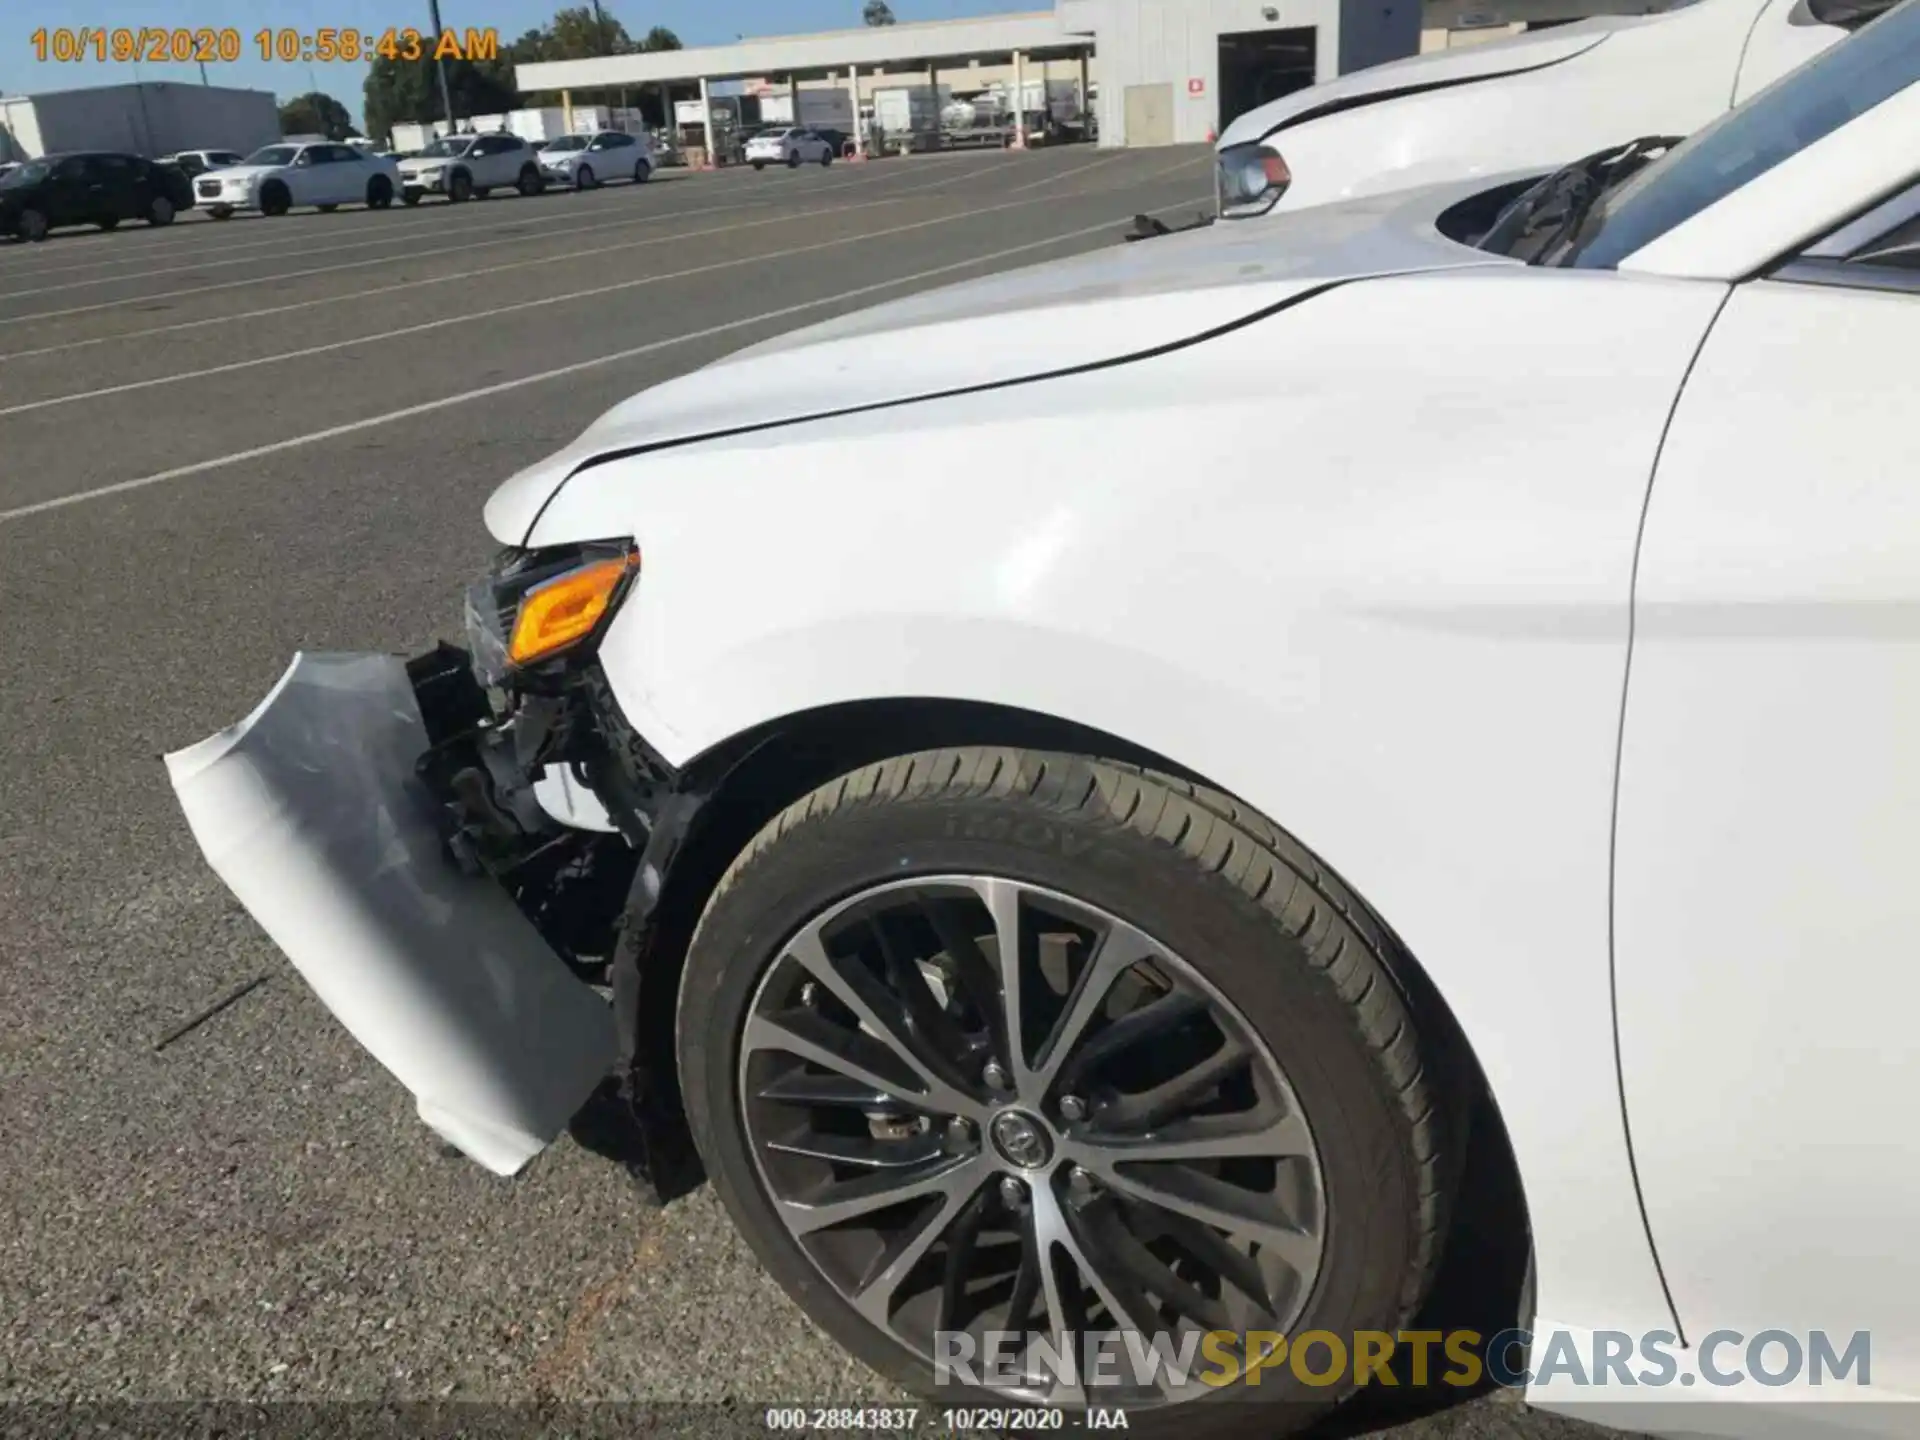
566 608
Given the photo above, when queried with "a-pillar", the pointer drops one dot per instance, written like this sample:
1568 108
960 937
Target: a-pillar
706 124
1019 99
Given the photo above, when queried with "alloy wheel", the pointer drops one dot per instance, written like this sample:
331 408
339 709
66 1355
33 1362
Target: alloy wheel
982 1106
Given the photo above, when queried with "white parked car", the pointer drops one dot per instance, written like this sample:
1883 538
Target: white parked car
1451 654
470 167
792 146
193 163
586 160
1534 99
276 178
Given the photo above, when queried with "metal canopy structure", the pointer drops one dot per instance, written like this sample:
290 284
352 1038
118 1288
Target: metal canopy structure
943 44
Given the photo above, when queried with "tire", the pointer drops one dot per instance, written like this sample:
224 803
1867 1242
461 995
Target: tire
275 198
793 160
460 187
160 211
221 212
759 164
409 197
583 178
642 172
826 157
379 193
326 209
32 225
1295 961
530 183
108 222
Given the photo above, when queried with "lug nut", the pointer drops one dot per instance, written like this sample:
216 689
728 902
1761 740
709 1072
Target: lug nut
1072 1107
960 1134
995 1075
1013 1194
810 994
1080 1183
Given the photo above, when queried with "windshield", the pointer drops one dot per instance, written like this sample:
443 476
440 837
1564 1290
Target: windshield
274 155
31 173
1827 92
568 142
446 147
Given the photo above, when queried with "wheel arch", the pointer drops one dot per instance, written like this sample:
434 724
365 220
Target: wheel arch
748 778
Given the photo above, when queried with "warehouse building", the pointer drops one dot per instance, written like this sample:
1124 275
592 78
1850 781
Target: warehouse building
1167 71
155 118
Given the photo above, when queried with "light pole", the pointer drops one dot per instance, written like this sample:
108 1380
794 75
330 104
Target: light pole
440 66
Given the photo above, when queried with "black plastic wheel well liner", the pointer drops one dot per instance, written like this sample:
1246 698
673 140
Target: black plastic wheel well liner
984 387
1375 97
748 779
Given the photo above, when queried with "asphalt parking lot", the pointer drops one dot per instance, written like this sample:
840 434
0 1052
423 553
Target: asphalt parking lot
220 444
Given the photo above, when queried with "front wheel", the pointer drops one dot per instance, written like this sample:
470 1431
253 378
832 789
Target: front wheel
409 197
326 209
826 158
759 164
642 172
531 183
275 198
31 225
108 222
793 159
379 193
160 211
221 212
460 188
984 1040
583 178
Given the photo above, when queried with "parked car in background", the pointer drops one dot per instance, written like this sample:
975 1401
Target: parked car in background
667 153
275 178
1534 99
788 145
89 188
586 160
194 163
470 167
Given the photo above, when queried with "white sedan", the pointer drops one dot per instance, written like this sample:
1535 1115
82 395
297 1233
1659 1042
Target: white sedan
1533 99
1449 655
791 147
322 174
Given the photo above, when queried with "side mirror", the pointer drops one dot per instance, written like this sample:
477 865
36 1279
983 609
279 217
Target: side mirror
302 159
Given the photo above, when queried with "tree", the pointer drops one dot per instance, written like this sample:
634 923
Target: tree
316 114
399 90
660 38
577 33
878 12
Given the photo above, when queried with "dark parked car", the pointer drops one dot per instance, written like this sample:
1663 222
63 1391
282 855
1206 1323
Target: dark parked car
92 188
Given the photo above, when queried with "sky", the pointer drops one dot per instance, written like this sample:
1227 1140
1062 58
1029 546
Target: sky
696 22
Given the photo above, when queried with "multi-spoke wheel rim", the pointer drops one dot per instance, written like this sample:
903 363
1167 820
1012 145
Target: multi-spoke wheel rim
982 1106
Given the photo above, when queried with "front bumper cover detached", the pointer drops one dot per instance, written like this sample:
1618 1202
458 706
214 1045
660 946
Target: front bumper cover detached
313 812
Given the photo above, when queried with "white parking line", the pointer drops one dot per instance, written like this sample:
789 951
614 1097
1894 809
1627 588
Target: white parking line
178 325
239 457
400 332
1060 175
626 221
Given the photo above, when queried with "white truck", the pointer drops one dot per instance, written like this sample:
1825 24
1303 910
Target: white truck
1536 100
903 110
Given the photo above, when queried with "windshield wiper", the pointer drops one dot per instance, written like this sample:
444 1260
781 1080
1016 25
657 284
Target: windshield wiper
1548 216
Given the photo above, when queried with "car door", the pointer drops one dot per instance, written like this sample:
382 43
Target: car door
1767 909
130 188
75 191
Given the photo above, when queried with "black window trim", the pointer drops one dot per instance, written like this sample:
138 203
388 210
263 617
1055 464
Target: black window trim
1827 260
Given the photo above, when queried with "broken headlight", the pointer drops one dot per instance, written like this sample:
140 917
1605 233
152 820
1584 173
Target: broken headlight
537 606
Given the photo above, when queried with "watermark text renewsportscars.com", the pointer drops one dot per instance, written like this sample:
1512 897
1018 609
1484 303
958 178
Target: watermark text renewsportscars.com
1010 1360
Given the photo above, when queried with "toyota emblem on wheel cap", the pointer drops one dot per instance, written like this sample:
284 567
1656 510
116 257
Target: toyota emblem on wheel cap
1020 1139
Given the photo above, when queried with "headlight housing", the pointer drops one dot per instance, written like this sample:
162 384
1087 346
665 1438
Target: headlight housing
1250 180
541 606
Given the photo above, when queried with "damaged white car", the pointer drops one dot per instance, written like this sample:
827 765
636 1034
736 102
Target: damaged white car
1449 655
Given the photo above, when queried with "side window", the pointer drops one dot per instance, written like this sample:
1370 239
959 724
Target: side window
75 168
487 145
1877 250
622 142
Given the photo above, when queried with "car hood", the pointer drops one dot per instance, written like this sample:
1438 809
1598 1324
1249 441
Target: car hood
559 157
1471 63
1110 305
